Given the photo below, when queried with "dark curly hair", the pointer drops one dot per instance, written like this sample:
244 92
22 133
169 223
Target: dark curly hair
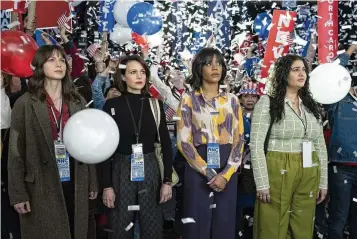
203 57
280 83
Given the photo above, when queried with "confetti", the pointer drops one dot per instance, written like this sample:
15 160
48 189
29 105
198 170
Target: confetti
212 206
354 199
211 194
311 194
134 208
345 182
339 150
247 166
187 220
334 169
176 118
240 233
142 191
283 171
13 24
129 226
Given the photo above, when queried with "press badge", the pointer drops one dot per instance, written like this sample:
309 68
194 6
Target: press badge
213 158
137 163
62 159
307 154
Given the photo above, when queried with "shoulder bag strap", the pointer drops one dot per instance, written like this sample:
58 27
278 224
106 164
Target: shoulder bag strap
155 108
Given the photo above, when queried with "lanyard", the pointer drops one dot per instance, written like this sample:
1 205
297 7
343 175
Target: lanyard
302 121
136 128
58 122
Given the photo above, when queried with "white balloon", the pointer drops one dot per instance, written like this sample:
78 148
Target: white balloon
121 9
329 83
155 40
120 34
91 136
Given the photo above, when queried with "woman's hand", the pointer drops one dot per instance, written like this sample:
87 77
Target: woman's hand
321 196
23 207
165 193
218 183
109 197
263 195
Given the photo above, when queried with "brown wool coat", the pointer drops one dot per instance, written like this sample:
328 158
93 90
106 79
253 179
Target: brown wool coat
33 174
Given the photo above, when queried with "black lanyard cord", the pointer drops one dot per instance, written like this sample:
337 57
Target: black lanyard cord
302 121
136 128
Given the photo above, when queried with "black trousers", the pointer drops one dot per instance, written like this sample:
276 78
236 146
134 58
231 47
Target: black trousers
146 194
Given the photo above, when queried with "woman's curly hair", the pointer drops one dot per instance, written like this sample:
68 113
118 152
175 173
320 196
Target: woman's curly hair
279 84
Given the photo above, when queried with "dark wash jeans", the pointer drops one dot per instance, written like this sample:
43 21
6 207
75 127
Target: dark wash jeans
342 208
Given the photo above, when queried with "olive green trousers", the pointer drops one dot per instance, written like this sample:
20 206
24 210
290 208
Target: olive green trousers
293 192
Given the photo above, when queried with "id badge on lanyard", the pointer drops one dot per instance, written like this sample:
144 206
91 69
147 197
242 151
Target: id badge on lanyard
137 172
306 154
62 159
213 156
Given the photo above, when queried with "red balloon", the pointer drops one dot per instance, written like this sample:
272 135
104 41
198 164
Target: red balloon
140 40
17 52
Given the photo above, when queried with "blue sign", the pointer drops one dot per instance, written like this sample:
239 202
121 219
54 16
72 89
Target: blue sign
107 20
220 14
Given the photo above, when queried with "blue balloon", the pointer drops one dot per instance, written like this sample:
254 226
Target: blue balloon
261 24
141 20
249 65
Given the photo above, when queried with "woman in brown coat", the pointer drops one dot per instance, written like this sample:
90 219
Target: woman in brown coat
49 189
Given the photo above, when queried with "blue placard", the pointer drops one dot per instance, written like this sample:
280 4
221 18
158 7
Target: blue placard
107 20
219 11
39 40
5 19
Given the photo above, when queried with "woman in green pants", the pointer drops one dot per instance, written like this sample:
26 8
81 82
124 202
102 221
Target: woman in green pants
292 176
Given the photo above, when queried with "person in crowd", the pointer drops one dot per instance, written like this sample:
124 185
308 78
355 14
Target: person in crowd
210 137
102 86
10 224
131 176
343 160
292 176
248 97
47 187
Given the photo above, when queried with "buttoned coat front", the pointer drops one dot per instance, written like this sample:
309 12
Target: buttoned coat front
34 177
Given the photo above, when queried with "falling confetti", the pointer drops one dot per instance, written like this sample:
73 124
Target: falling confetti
283 171
334 169
134 208
211 194
212 206
187 220
129 226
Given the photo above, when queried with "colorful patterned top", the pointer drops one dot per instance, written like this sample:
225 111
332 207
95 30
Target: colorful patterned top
204 121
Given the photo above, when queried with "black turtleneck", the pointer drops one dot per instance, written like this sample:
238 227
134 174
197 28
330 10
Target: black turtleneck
119 110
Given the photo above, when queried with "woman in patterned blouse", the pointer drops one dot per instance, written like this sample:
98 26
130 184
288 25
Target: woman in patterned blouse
210 137
292 177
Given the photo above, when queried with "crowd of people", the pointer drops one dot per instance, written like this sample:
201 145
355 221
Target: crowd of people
248 165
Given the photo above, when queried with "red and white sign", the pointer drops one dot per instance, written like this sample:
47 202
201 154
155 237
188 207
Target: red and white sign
278 40
49 12
18 6
327 27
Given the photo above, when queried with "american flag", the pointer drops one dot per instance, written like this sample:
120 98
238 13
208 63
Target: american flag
169 113
287 39
92 49
63 20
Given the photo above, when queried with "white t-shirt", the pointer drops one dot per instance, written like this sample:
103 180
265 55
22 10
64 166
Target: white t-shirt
5 110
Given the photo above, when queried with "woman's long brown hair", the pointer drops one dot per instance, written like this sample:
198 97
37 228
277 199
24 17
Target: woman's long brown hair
37 82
